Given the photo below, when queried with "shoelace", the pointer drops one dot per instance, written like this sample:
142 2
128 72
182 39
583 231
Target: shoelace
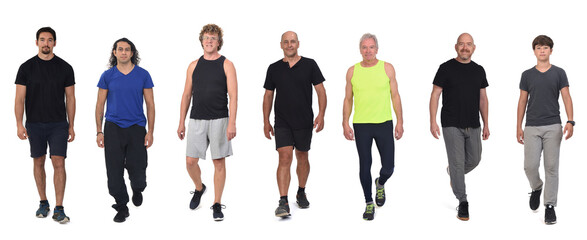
380 193
218 207
370 208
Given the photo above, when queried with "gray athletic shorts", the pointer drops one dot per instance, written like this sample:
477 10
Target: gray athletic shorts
202 133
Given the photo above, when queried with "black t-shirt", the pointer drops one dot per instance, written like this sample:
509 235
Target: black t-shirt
293 86
461 84
209 90
45 83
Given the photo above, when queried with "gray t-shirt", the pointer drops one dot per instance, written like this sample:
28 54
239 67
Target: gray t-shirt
543 91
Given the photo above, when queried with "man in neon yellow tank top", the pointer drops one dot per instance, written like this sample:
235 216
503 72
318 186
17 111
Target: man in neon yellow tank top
372 84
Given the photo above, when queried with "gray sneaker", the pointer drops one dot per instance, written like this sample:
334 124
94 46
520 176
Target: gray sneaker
283 209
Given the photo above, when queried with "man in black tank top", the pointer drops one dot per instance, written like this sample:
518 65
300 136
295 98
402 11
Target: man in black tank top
208 82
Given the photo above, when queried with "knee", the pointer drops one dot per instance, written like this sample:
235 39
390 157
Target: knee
285 158
219 164
58 162
191 162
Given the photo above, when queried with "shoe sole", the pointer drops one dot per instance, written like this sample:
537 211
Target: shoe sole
218 219
302 207
550 223
282 215
41 215
463 218
65 220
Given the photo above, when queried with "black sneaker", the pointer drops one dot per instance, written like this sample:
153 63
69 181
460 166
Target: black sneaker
463 211
122 213
283 209
302 200
195 202
217 211
380 198
535 199
549 215
369 213
137 198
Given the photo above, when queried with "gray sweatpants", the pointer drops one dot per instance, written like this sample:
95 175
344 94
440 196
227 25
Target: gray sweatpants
548 139
463 149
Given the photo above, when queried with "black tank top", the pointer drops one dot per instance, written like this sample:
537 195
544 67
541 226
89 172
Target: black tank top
209 91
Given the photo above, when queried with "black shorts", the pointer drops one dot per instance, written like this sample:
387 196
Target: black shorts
299 139
53 133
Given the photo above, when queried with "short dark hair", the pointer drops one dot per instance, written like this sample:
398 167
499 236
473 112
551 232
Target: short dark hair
135 59
49 30
542 40
212 29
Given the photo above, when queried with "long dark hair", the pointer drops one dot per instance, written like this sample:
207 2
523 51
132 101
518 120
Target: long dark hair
135 59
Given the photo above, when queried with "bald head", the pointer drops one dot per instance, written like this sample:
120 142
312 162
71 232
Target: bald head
289 35
465 37
465 48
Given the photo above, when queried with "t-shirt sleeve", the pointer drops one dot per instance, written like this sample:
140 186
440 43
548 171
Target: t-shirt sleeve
148 82
21 76
269 84
563 81
440 78
317 76
102 83
524 82
484 82
70 77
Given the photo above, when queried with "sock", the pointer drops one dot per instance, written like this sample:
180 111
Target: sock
45 202
301 190
370 203
284 198
59 207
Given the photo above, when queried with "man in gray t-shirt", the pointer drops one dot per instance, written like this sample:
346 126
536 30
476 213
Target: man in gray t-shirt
539 90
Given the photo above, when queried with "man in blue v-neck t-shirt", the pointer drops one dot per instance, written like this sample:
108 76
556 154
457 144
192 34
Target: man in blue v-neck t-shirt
125 139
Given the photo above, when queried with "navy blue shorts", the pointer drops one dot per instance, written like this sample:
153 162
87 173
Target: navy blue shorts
299 139
53 133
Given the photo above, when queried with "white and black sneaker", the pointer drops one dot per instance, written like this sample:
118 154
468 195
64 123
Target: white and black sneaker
217 211
549 215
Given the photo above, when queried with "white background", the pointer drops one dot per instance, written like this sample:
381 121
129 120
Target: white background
416 37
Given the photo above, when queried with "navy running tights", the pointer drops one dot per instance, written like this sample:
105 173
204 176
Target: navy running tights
383 135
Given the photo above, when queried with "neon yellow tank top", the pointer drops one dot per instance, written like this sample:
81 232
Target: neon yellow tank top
371 93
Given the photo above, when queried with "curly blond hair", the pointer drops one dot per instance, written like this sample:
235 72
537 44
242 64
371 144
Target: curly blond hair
212 29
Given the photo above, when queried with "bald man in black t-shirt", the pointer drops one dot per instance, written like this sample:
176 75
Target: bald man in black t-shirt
293 77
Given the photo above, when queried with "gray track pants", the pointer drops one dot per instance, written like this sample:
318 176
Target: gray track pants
463 149
536 140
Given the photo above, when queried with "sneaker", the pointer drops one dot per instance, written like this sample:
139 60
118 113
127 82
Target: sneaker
122 213
43 210
302 200
369 213
59 215
463 210
137 198
195 202
549 215
380 199
283 209
217 211
535 199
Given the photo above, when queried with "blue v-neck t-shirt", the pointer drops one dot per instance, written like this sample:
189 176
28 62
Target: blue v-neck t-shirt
124 102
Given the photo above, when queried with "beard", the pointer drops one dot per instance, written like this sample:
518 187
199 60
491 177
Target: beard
46 50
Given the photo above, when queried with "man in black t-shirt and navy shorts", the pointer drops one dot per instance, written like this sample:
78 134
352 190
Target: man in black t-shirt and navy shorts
293 77
462 84
41 84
